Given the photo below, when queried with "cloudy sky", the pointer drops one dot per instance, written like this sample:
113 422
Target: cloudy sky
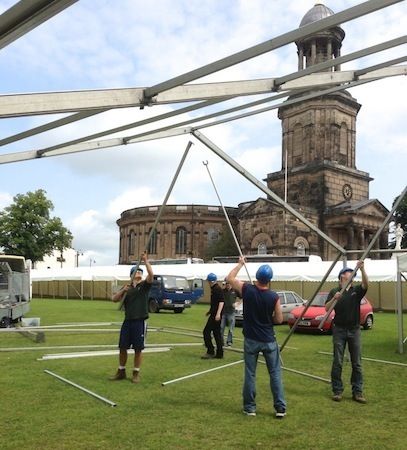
99 44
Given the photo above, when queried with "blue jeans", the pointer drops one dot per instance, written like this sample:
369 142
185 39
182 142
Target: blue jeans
341 337
271 354
227 319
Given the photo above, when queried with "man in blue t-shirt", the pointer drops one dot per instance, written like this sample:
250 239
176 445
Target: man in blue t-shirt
346 330
261 308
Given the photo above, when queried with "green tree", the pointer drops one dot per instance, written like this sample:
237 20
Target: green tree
224 246
27 229
400 216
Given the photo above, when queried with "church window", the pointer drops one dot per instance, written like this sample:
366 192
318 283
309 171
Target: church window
181 240
262 249
131 242
152 246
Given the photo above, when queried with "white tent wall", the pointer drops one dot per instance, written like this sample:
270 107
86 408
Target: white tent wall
99 282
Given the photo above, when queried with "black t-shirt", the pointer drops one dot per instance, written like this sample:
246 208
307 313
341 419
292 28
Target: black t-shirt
216 298
136 301
347 308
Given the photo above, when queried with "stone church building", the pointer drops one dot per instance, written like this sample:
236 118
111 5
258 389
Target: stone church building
318 178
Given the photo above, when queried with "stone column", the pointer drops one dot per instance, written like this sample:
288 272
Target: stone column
313 52
351 237
300 59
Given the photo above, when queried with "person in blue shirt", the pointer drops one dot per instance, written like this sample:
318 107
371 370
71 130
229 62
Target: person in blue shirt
261 308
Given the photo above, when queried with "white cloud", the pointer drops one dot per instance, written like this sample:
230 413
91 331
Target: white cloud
137 43
5 199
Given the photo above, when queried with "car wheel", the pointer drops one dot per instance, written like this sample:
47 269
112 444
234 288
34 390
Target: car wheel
153 306
178 310
368 325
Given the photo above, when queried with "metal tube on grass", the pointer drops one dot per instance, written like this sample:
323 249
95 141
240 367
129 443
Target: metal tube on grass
366 252
80 388
201 373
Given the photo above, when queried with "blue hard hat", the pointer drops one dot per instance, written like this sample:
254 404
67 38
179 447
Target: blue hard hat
264 274
211 277
344 270
139 269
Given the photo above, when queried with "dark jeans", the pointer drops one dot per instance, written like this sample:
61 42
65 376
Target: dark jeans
341 337
213 326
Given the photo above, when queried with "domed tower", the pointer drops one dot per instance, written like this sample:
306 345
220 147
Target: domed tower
322 46
318 149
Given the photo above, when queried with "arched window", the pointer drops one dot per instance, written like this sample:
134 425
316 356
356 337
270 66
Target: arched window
132 242
262 249
301 244
181 240
152 246
213 235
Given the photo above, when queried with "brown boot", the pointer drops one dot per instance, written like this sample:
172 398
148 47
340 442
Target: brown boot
119 375
136 376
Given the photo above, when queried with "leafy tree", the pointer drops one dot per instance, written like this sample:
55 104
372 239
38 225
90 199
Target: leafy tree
224 246
27 229
400 216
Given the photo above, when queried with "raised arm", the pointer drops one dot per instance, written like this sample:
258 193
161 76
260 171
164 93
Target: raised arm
231 278
150 274
365 280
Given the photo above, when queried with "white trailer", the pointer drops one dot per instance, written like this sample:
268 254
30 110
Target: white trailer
14 289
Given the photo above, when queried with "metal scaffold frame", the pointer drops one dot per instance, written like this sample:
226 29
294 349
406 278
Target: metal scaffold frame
306 84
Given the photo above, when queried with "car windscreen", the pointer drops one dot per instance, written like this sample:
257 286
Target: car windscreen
174 282
320 299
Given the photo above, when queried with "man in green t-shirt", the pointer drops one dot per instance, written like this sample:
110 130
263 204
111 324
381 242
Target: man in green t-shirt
134 328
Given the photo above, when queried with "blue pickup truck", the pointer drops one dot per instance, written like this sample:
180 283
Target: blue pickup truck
171 292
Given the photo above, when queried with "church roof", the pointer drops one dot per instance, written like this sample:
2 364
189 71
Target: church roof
317 12
352 207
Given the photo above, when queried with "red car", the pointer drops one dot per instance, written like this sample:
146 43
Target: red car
316 312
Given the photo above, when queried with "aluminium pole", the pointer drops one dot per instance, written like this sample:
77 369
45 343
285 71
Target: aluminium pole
80 388
227 219
365 253
201 373
309 303
160 211
225 157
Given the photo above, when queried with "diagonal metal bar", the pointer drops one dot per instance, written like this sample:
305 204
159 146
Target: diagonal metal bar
309 303
25 15
50 126
342 59
161 210
225 157
259 49
366 252
205 163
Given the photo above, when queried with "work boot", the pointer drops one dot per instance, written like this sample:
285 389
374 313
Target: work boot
208 356
136 376
119 375
359 398
337 397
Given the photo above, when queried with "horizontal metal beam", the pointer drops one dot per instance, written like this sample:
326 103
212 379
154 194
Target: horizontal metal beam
62 102
277 82
27 15
259 49
167 131
343 59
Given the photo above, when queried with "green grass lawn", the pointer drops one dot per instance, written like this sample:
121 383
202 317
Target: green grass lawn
39 411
